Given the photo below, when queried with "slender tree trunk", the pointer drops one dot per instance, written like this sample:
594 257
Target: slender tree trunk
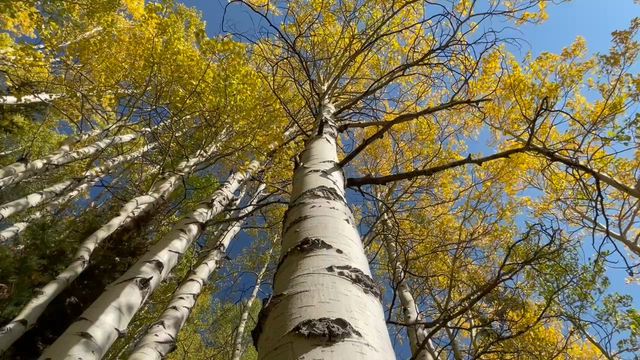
83 36
74 139
325 303
162 336
108 317
415 333
131 210
28 99
9 152
633 246
216 234
18 171
16 229
36 198
455 348
238 343
72 187
90 180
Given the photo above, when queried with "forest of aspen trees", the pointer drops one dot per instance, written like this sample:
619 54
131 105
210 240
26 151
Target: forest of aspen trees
345 179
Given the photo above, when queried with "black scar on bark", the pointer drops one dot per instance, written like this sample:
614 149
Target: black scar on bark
87 336
329 330
357 277
296 221
267 305
320 192
307 245
157 264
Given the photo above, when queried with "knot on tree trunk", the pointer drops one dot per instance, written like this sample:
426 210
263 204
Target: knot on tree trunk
307 245
328 329
358 277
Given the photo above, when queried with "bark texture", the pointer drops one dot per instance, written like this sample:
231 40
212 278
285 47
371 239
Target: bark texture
68 187
14 230
131 210
325 303
162 336
238 343
21 170
28 99
421 348
108 317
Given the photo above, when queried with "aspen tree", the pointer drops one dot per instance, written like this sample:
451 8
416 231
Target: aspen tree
325 303
239 346
69 188
101 324
19 171
132 209
421 348
161 337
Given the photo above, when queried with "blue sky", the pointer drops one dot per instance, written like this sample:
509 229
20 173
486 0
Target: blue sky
592 19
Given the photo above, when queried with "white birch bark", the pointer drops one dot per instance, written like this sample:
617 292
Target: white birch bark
90 178
216 234
69 188
238 343
411 316
325 303
160 339
633 246
455 348
9 152
16 229
108 317
28 99
83 36
35 199
18 171
74 139
131 210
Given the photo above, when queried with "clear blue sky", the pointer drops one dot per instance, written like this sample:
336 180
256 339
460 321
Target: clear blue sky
592 19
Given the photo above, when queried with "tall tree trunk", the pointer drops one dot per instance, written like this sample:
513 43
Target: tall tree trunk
455 348
18 171
217 233
131 210
11 151
238 343
415 332
82 36
28 99
16 229
73 186
162 336
108 317
325 303
74 139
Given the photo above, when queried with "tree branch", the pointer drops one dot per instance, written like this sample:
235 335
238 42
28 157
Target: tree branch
382 180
